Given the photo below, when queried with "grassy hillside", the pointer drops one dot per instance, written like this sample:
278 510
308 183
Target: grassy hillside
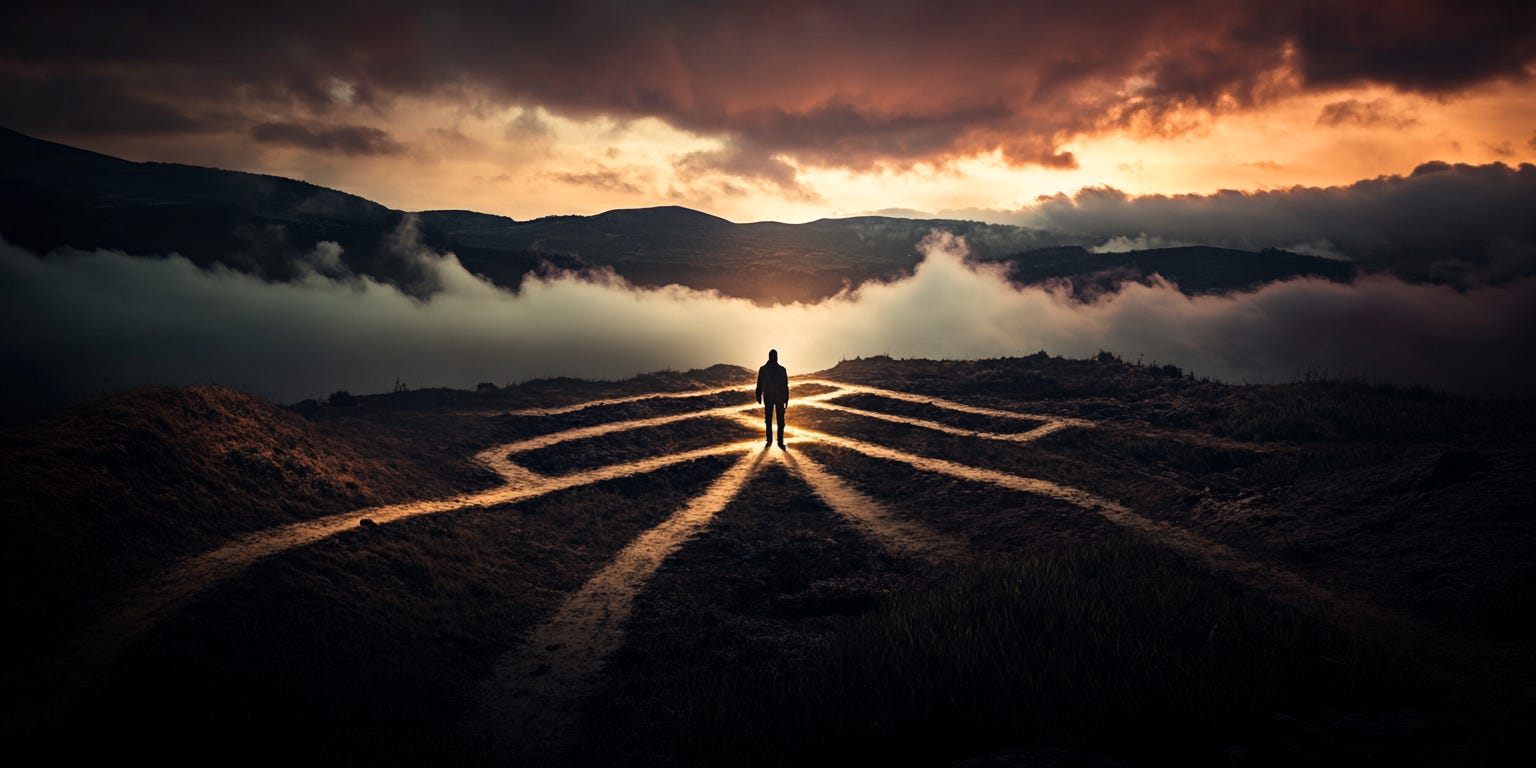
786 631
105 493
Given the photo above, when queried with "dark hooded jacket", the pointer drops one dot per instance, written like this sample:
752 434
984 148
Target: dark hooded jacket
773 382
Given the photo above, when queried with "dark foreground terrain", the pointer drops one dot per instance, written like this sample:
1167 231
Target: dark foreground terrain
54 196
1034 561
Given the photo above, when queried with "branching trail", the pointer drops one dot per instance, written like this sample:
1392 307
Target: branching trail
843 388
1473 663
499 453
1283 584
873 519
534 687
573 407
151 602
1018 437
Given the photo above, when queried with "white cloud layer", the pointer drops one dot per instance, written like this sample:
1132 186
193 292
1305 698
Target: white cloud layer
79 322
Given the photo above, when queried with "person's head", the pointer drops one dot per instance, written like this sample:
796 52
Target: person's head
773 355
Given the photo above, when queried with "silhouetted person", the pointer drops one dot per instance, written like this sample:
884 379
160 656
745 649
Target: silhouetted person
773 393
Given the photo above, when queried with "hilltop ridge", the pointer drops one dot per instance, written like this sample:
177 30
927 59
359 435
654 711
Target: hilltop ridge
1349 556
54 196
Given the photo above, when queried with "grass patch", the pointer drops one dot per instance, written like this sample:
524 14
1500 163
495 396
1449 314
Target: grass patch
660 405
364 648
1315 408
1081 463
1330 410
1120 647
1184 455
620 447
926 411
798 389
991 519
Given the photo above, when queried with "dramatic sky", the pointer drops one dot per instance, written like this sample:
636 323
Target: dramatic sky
1398 134
786 110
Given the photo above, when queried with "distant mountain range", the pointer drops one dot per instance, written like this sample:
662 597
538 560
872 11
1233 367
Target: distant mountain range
54 196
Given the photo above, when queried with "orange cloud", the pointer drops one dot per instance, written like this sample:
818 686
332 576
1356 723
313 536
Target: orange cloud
853 86
790 109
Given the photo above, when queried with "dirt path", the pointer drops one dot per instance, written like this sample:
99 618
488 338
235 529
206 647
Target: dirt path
149 603
872 519
1218 556
146 605
534 689
1017 437
573 407
1472 663
598 430
534 686
843 388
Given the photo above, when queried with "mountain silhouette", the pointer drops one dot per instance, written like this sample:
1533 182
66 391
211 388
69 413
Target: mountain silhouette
55 196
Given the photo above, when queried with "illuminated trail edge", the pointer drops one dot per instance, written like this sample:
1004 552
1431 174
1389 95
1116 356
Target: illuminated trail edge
533 688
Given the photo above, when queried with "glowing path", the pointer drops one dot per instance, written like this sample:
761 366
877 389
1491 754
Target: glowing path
598 430
871 518
573 407
150 602
533 687
1215 555
528 700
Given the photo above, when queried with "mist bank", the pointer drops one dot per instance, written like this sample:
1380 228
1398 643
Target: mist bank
1442 222
1459 224
83 322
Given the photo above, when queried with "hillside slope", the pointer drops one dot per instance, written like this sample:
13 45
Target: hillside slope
106 491
54 196
1288 572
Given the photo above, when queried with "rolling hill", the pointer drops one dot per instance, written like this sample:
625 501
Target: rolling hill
995 562
54 196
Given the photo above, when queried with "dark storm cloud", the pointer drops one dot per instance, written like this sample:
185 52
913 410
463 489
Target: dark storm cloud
84 104
1450 222
345 139
851 84
1419 45
745 163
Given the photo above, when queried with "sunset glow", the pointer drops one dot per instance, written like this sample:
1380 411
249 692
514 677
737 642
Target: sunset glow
792 114
668 383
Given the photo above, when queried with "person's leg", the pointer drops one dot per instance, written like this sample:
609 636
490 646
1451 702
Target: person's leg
781 407
768 421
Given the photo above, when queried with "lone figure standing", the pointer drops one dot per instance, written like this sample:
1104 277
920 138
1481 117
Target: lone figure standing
773 393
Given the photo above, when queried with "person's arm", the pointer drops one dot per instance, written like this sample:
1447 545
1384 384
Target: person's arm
759 394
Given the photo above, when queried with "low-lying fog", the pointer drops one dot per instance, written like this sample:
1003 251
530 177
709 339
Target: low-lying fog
82 322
